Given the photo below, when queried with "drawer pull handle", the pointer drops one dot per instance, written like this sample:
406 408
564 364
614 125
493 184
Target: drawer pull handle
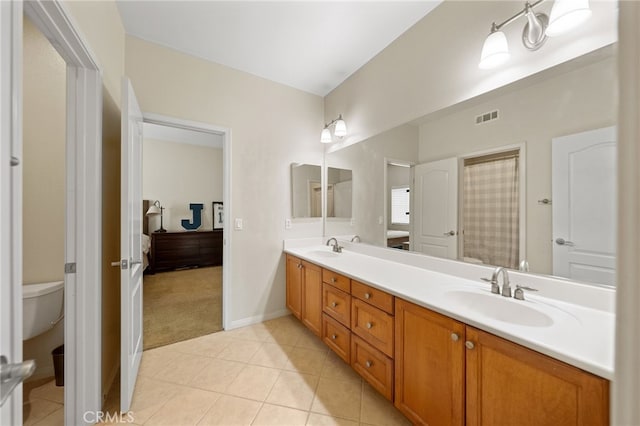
367 296
455 337
368 364
369 325
334 304
333 279
334 337
469 344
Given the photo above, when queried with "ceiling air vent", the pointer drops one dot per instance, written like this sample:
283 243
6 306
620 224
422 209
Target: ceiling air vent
487 116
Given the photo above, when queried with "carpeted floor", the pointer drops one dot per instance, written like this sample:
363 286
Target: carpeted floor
180 305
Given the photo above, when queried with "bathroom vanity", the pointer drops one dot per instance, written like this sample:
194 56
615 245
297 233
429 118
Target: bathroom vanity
448 352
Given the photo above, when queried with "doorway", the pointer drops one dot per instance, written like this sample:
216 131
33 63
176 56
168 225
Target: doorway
82 206
182 185
43 224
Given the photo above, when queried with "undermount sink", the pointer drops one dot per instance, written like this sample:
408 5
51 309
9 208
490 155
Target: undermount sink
500 308
323 253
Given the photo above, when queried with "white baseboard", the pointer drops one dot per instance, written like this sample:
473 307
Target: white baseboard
257 319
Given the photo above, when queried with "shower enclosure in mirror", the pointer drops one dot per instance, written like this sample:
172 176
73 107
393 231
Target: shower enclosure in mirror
534 184
339 193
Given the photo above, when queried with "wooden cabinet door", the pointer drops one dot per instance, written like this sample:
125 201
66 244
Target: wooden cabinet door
429 366
294 286
312 297
508 384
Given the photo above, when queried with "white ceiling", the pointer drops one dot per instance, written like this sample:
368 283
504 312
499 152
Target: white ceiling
312 46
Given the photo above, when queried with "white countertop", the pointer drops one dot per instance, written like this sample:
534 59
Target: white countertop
576 334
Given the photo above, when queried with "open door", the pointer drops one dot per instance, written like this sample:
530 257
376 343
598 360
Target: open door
10 213
584 206
130 244
435 208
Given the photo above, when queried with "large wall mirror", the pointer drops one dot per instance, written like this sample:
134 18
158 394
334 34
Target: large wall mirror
522 177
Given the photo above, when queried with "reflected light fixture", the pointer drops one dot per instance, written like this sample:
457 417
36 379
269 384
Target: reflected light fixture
154 210
565 15
339 130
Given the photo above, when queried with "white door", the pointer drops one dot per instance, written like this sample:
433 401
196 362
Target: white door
435 208
130 244
11 207
584 206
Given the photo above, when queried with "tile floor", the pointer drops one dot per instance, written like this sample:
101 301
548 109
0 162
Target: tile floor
273 373
43 405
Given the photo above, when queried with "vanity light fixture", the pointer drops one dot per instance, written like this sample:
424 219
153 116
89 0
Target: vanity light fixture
154 210
565 15
339 130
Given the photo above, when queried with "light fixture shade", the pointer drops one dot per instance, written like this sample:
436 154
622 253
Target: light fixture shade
566 15
341 128
325 137
495 51
153 210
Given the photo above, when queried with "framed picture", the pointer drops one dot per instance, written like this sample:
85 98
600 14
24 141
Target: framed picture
218 215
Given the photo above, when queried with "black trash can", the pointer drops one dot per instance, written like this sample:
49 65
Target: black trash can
58 364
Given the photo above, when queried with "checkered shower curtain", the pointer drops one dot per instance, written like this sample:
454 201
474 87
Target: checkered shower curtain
491 212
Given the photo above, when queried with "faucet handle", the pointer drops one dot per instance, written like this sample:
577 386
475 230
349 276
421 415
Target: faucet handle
495 288
519 293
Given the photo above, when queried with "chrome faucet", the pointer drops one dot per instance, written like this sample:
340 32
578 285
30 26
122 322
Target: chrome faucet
355 237
506 289
336 247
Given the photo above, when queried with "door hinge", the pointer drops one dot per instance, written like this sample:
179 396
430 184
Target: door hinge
15 161
70 268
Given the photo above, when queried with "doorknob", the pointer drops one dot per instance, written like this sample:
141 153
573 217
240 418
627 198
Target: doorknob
563 242
11 375
450 233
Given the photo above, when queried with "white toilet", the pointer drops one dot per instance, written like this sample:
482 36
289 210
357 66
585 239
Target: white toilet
42 307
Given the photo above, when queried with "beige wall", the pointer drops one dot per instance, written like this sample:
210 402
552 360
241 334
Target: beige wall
100 24
271 126
435 63
110 241
368 162
576 101
44 92
178 174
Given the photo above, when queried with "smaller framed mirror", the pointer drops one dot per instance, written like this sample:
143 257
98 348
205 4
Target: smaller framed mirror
306 190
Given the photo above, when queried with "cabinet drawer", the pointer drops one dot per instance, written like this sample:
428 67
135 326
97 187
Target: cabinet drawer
336 280
372 325
375 367
337 304
372 296
337 337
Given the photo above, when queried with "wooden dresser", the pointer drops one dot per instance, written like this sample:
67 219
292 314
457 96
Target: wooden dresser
173 250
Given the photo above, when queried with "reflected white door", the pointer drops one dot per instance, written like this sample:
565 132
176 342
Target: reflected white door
584 206
130 244
435 208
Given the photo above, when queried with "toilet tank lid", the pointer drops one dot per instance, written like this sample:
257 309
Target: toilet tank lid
40 289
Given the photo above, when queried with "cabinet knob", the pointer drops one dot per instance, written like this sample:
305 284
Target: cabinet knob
334 337
299 265
367 296
334 304
333 279
455 337
469 344
368 364
369 325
